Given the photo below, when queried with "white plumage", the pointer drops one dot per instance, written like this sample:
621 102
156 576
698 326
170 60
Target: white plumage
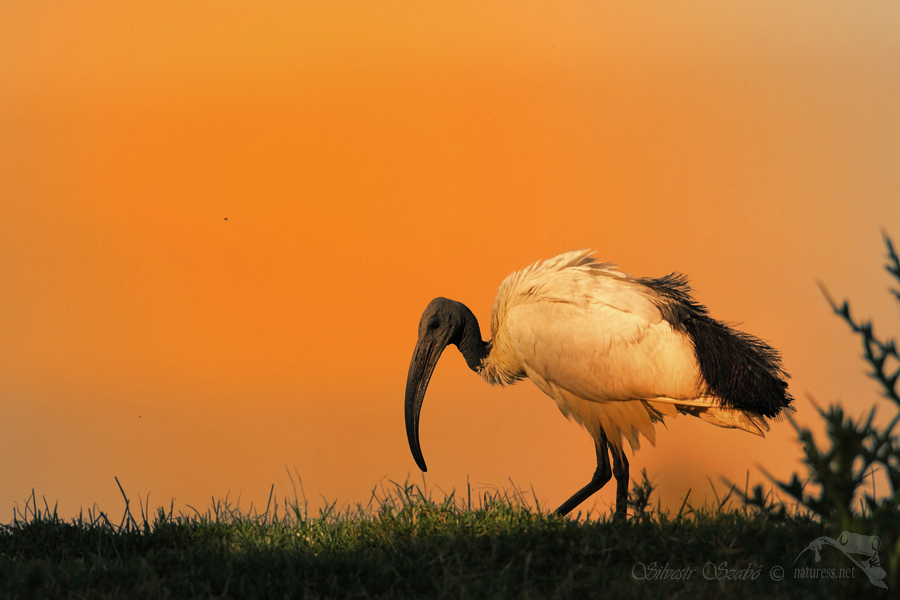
593 339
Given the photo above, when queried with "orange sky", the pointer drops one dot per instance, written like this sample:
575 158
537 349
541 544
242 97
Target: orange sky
371 156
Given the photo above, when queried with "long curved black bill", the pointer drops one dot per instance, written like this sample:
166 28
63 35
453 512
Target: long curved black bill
421 367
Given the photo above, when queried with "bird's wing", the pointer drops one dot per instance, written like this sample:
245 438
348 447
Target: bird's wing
601 363
600 352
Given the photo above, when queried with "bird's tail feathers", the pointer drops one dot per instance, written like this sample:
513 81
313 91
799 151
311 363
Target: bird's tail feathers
710 410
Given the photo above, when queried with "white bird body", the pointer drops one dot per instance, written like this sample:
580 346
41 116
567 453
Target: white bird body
593 339
617 353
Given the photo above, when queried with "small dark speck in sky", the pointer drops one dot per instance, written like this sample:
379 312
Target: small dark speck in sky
226 218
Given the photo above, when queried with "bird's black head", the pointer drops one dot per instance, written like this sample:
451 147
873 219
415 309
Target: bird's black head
444 322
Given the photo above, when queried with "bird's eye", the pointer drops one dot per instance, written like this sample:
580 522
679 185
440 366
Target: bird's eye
434 325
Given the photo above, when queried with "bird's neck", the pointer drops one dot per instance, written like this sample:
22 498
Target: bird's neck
470 344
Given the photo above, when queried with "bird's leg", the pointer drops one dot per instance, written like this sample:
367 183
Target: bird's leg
620 470
601 476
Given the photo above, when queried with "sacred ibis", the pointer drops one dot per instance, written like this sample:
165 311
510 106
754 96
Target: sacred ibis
617 353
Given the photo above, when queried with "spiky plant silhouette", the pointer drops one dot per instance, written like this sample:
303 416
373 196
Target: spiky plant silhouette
840 495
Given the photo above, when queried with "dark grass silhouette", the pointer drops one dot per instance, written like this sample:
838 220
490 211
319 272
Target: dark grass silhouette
404 544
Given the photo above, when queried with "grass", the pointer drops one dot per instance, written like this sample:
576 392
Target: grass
404 544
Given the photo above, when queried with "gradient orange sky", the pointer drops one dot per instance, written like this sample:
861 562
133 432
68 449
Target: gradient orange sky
371 156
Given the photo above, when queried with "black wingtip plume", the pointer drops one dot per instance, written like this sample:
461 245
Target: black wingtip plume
741 369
